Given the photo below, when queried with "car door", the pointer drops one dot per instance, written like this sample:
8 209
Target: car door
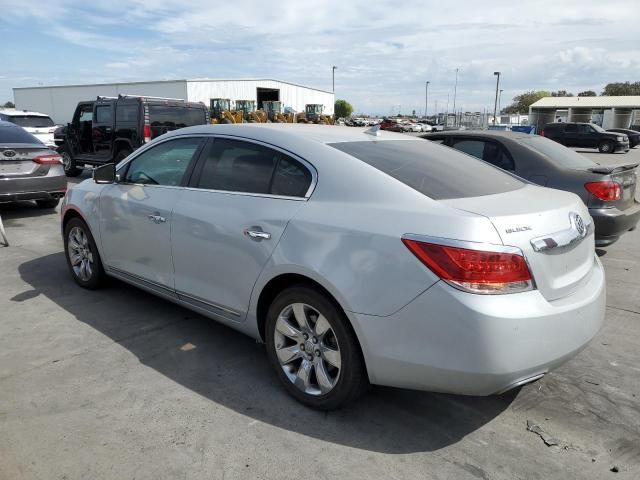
229 221
589 138
102 132
571 136
135 212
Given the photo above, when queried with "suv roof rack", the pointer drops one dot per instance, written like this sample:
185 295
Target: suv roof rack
148 96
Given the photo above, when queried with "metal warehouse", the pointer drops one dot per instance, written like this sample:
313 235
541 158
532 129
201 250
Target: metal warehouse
60 101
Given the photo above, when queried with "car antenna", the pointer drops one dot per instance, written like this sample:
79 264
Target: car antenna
375 130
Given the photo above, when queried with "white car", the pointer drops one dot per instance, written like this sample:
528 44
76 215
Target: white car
40 125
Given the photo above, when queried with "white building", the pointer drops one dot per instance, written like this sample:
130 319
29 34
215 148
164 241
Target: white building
59 102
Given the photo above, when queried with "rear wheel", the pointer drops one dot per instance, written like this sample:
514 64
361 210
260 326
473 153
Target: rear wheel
606 147
49 203
69 163
82 255
313 349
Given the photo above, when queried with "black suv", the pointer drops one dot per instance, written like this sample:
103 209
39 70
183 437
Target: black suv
110 128
586 135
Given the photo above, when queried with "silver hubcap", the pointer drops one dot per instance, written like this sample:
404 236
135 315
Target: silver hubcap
307 349
80 254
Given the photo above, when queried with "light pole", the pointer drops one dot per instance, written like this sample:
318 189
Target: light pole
500 101
333 79
495 104
455 90
426 98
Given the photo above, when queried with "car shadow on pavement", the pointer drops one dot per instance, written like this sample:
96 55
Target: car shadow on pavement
232 370
13 212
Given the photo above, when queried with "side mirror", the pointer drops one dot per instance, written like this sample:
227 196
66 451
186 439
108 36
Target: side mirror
105 173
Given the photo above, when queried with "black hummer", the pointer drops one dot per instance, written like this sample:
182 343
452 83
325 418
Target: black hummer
110 128
586 135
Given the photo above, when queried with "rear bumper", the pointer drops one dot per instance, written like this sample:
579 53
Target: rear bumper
610 223
451 341
37 188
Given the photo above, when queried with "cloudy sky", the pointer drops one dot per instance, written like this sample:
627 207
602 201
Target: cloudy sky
384 50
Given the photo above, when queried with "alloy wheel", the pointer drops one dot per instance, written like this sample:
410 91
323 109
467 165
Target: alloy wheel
307 349
80 255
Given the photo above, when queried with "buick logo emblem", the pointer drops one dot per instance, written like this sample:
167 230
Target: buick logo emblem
578 224
9 153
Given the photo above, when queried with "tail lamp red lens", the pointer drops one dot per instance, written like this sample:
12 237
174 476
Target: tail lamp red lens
475 271
607 191
51 159
147 133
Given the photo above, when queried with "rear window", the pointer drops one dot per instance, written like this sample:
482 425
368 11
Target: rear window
17 135
561 156
33 121
437 172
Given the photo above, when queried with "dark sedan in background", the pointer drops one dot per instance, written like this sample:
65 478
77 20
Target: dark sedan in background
28 169
634 135
608 191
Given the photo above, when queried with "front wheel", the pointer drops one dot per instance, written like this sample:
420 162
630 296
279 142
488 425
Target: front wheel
606 147
313 349
82 255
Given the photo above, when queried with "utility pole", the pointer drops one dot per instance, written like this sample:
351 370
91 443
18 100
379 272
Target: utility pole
500 101
333 79
455 91
495 104
426 98
446 119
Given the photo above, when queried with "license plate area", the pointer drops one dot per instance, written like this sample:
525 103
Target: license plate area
9 167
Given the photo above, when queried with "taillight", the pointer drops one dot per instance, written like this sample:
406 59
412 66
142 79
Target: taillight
49 159
475 271
607 191
147 133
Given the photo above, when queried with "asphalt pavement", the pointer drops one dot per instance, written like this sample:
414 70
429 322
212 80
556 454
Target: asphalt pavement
119 384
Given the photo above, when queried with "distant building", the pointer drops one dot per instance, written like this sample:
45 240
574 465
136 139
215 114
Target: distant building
60 101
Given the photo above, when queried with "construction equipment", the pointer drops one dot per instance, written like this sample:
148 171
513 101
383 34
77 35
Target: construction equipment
313 114
273 109
220 109
247 108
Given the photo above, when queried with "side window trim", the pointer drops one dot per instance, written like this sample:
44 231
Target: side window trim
197 170
188 174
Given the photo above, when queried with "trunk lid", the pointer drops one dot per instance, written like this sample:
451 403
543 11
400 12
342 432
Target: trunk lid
548 216
627 176
17 161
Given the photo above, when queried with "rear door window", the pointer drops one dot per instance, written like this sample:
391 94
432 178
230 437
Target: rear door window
103 115
437 172
496 155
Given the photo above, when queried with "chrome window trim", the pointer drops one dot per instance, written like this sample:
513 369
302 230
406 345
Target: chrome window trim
469 245
309 166
216 306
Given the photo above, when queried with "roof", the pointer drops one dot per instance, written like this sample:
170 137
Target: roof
630 101
14 112
478 133
174 81
315 133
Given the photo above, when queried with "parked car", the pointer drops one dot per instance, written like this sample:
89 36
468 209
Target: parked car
425 127
414 278
608 191
29 170
37 124
633 135
391 124
411 127
108 129
586 135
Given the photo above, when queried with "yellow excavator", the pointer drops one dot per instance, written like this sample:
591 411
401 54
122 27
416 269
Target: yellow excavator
313 114
273 109
220 109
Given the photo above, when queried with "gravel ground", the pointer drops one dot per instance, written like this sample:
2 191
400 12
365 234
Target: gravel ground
120 384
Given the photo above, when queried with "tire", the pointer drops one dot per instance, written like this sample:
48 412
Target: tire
69 163
49 203
121 155
329 359
74 233
606 147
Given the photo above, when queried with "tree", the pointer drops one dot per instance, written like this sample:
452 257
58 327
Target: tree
9 105
561 93
343 109
522 102
587 93
621 88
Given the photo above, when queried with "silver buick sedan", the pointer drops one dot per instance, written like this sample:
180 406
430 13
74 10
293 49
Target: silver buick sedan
357 256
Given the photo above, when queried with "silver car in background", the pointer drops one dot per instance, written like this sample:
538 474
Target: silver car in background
357 256
28 169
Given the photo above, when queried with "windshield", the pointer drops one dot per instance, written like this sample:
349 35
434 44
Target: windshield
560 155
435 171
10 135
33 121
598 128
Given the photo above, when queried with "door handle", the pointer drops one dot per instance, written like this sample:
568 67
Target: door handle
156 218
257 234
